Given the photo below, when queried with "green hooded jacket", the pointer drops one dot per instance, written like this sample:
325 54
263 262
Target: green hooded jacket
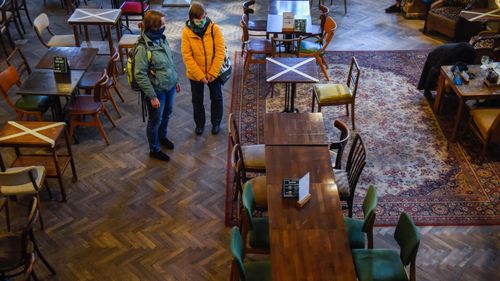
159 74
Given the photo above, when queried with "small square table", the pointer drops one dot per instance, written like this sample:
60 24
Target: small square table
294 129
483 15
104 17
78 58
44 135
300 9
291 71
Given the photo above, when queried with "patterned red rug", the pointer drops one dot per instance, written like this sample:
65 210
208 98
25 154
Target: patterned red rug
409 159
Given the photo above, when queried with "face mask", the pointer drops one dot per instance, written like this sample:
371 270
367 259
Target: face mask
200 23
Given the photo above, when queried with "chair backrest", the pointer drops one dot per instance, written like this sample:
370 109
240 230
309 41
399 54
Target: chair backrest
246 7
369 207
353 77
248 200
8 78
111 68
406 234
234 133
244 28
237 251
322 17
285 46
356 161
19 176
237 159
328 31
101 93
341 143
494 131
41 23
17 57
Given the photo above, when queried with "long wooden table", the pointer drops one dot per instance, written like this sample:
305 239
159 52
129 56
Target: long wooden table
294 129
309 243
78 58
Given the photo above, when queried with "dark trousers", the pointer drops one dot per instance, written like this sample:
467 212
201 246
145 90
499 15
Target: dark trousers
216 107
158 118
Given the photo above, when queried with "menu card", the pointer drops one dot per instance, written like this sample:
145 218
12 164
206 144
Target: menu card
61 64
300 25
288 21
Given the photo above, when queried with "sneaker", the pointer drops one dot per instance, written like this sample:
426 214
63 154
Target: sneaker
215 129
167 143
198 130
159 155
393 9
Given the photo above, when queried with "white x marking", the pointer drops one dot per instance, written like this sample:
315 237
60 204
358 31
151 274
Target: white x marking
98 15
480 15
33 132
291 68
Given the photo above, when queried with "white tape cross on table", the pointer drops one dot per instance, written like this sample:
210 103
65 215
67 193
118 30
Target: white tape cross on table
33 132
291 68
481 15
98 15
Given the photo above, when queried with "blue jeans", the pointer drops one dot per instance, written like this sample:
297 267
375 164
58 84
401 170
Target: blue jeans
158 118
216 104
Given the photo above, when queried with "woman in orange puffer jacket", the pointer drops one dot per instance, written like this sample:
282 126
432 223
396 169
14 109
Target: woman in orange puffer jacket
203 52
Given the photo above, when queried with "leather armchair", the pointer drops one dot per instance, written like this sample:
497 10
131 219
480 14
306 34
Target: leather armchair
414 9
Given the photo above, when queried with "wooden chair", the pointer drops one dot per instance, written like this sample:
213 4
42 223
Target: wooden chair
253 25
485 123
27 105
250 270
42 23
340 144
347 179
388 264
90 105
319 29
339 94
254 230
356 229
90 79
317 49
8 16
241 176
127 41
322 3
19 61
20 5
19 248
253 47
289 47
4 29
253 155
135 9
21 181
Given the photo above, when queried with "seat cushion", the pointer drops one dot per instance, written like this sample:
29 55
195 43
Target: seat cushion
342 182
258 271
11 255
378 264
26 188
259 186
62 41
259 235
330 93
254 156
128 40
33 103
354 229
484 118
133 7
262 46
309 47
83 104
450 12
89 80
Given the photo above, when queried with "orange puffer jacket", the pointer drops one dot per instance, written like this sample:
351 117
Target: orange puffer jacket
198 53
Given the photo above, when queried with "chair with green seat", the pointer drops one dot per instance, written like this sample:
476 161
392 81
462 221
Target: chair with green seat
27 105
339 94
356 229
388 264
317 48
248 271
256 229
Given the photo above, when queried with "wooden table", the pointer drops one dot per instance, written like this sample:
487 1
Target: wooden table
104 17
78 58
44 135
309 243
481 15
44 82
294 129
474 90
300 9
291 71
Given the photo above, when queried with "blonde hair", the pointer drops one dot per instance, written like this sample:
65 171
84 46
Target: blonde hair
196 10
152 20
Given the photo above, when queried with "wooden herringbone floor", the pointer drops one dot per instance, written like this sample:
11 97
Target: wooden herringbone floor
132 218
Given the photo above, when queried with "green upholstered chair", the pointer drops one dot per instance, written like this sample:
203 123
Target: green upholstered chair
27 105
248 271
338 94
255 230
356 229
388 264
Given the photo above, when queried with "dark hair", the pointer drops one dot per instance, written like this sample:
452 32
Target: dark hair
152 20
196 10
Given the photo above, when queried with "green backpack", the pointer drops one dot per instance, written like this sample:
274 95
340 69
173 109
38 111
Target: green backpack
131 66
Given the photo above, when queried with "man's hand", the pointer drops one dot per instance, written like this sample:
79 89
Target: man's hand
155 103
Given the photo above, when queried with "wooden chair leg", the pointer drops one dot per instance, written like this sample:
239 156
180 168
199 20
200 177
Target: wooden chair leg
109 117
118 92
120 51
98 124
323 69
47 187
347 109
369 236
72 125
39 116
40 211
352 116
313 98
114 103
325 62
7 214
246 65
